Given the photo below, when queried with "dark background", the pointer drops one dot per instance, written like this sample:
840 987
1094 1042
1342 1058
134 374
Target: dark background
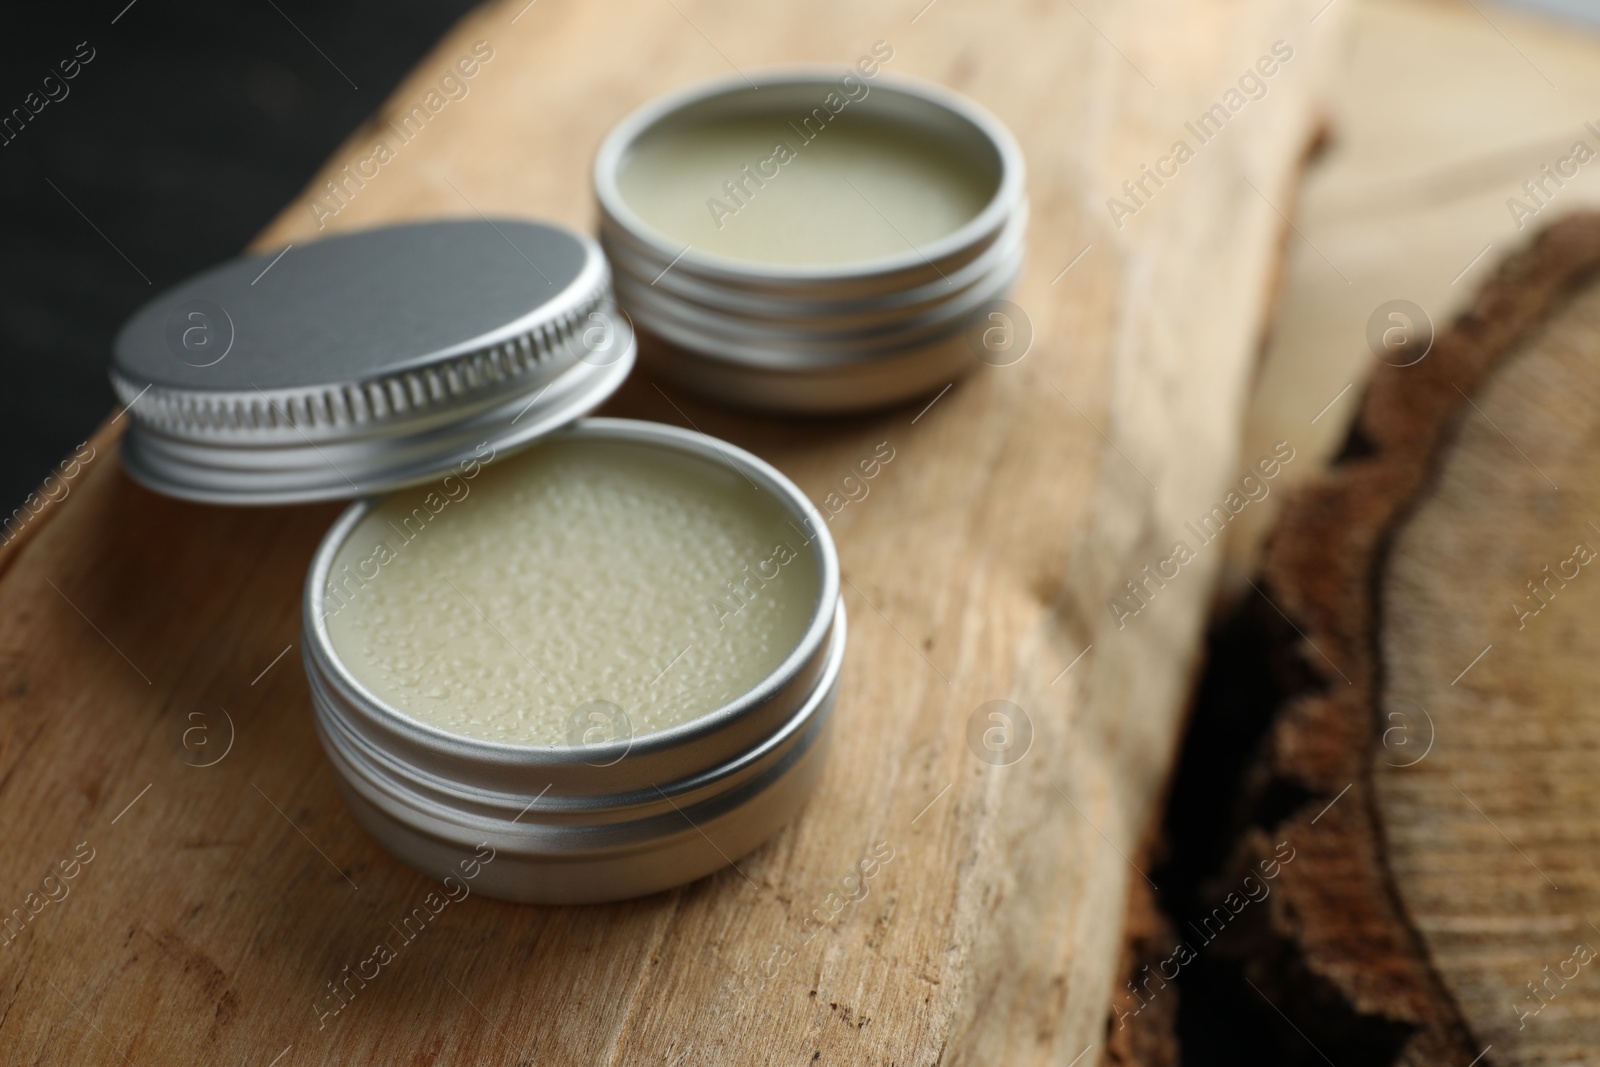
186 133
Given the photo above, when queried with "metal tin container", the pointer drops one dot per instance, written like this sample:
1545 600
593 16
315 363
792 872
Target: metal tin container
815 338
589 822
366 362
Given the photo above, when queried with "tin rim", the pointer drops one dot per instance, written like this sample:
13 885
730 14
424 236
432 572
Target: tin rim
806 339
611 768
600 852
1007 195
438 805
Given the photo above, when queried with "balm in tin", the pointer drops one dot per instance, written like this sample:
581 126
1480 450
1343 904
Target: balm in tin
613 662
817 243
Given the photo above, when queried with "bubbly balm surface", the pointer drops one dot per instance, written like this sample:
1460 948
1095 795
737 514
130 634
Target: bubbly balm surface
754 187
503 605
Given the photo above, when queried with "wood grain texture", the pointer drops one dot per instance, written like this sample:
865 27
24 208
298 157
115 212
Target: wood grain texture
222 900
1492 834
1430 768
1438 115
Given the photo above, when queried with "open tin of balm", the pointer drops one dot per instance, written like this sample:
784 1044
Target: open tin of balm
613 661
818 243
605 649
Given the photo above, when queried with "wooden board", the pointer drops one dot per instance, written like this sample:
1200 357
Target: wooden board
1430 768
142 637
1440 110
1492 833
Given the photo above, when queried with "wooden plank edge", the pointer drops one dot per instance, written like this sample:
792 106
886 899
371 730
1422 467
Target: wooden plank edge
23 525
1134 1038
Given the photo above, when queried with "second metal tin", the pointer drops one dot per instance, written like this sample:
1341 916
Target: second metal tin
815 338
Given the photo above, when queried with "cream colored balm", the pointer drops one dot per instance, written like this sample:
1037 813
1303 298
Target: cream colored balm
504 606
805 186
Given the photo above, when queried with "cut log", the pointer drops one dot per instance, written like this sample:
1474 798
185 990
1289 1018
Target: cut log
1426 609
156 713
1490 652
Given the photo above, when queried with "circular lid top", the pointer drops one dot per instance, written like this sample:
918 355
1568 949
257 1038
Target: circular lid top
366 361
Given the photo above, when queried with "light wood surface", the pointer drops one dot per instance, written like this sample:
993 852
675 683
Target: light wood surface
1442 109
221 900
1408 928
1425 922
1429 758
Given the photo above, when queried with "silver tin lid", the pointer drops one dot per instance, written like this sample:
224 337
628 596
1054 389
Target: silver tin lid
366 361
816 337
